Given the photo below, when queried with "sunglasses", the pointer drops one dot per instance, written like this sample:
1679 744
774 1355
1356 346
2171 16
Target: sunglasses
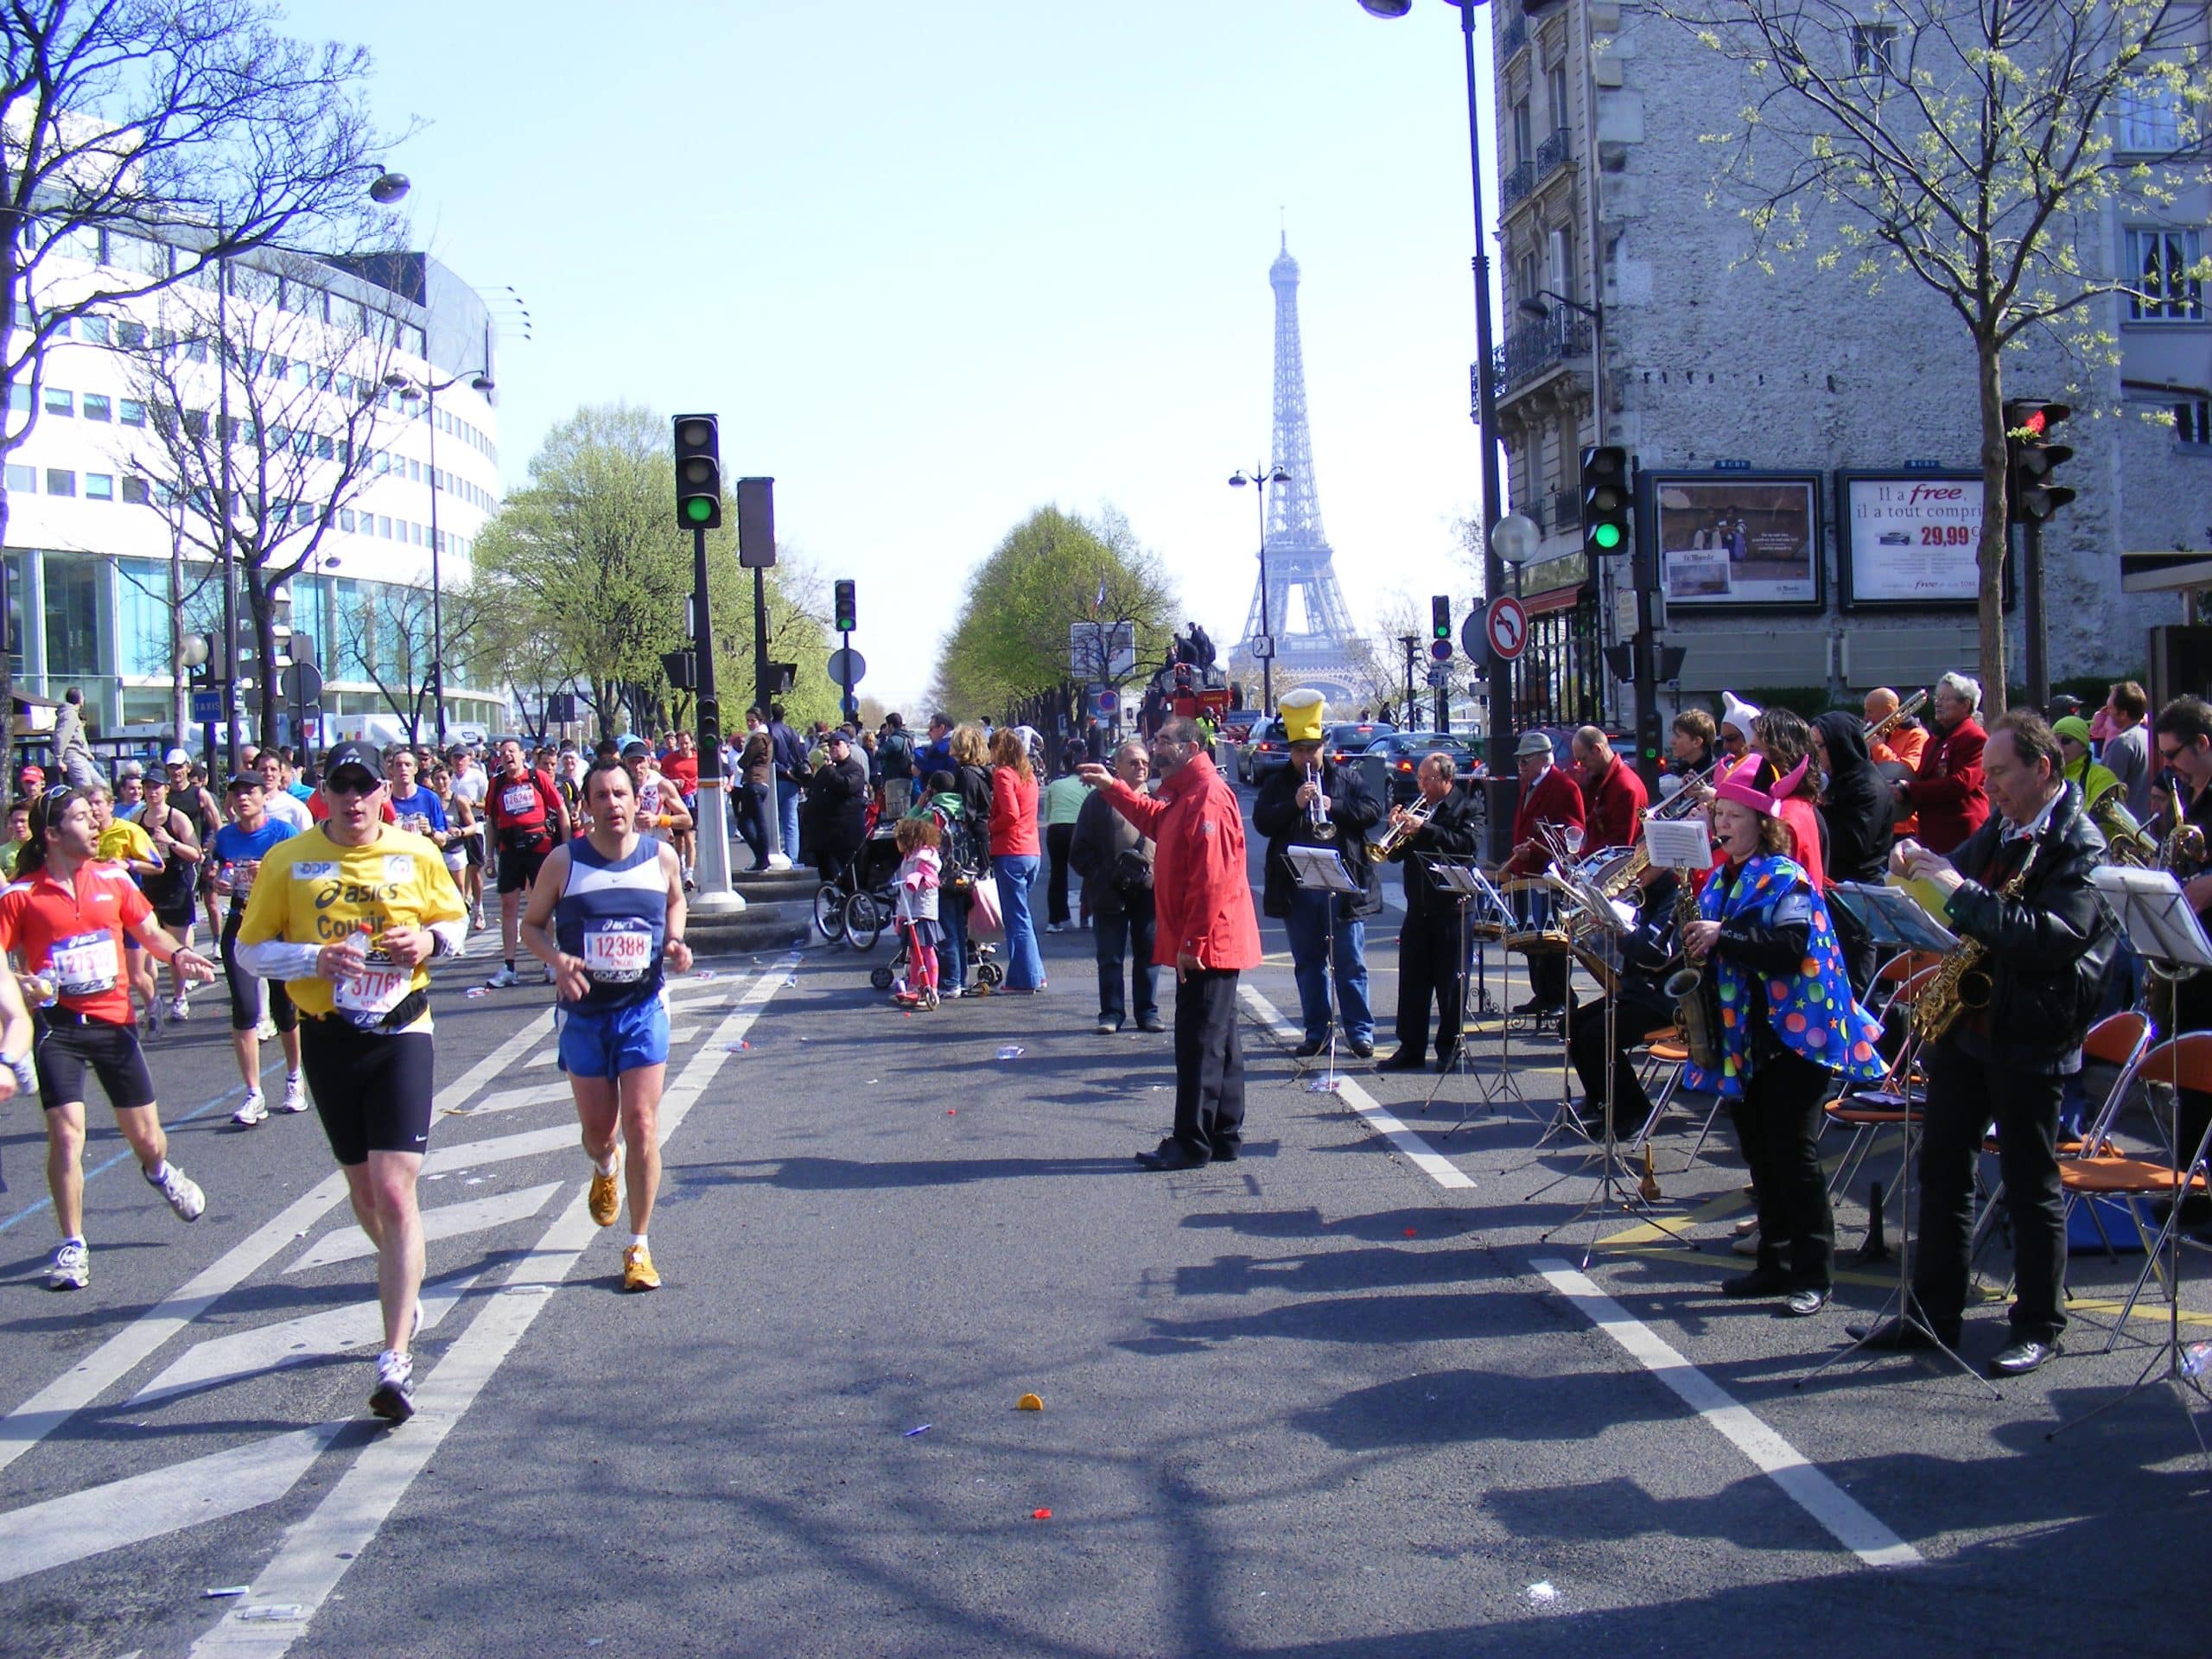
353 784
2173 754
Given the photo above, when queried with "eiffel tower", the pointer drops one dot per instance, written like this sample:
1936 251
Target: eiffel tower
1315 642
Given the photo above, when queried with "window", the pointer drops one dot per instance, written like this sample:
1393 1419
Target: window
94 330
59 481
414 471
59 402
99 487
1556 94
132 412
131 336
19 398
23 480
2168 287
95 406
1874 50
135 492
2192 422
384 526
1524 141
2149 118
345 519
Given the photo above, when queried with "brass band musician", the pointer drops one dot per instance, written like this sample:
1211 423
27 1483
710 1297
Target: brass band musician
2183 737
1551 804
1432 958
2019 895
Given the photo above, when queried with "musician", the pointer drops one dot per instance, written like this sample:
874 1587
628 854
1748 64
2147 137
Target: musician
1736 718
2183 737
1551 801
1946 788
1782 742
2019 887
1788 1026
1312 802
1613 795
2094 781
1432 959
1904 741
1690 747
1647 955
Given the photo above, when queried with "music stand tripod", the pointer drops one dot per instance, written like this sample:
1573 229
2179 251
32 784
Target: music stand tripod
1470 887
2158 923
1894 921
1321 869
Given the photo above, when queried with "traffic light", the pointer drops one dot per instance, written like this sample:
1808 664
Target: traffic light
711 724
1606 524
1439 618
698 473
846 620
2031 458
681 668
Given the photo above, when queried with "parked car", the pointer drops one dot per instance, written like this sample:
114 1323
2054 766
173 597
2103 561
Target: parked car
1403 752
1352 738
1264 753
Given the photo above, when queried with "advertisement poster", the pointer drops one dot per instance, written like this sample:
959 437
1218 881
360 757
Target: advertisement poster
1746 539
1908 538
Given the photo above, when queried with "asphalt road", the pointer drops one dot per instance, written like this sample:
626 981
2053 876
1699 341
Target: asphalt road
1342 1397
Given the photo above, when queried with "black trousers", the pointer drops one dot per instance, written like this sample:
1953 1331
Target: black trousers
2192 1012
1209 1065
1059 838
1430 972
1964 1097
1644 1008
1547 972
1778 1124
1128 928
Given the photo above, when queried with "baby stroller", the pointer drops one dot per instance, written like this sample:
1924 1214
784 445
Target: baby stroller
856 906
988 974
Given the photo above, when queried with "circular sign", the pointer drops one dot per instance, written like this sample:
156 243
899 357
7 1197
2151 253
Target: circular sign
847 668
301 683
1440 650
1473 639
1506 626
1107 704
1516 538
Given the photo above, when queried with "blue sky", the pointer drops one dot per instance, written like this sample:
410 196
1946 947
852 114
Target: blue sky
937 265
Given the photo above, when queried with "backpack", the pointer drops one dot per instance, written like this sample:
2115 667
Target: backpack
894 755
963 852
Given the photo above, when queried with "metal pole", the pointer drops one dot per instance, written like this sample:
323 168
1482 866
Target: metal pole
1266 627
2031 614
1501 671
438 583
1643 562
1408 641
712 873
230 653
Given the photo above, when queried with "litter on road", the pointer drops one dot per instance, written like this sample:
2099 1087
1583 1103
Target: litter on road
1029 1402
923 1428
1011 1052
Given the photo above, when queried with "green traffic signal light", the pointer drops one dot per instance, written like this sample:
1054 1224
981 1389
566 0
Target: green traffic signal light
1606 537
699 510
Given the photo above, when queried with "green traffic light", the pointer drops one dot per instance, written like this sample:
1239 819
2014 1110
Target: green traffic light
1608 536
698 509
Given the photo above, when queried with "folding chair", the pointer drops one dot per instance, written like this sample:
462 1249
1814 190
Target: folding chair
1895 1103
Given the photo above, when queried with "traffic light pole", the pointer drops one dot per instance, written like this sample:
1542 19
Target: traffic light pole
715 893
2038 667
1643 565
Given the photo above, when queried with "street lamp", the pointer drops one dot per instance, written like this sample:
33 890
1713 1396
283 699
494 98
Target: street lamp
1501 671
1260 478
480 379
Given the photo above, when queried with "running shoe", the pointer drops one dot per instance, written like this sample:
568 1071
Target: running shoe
638 1272
295 1095
151 1021
71 1268
476 919
501 981
255 1110
393 1397
266 1031
180 1011
182 1191
604 1201
544 974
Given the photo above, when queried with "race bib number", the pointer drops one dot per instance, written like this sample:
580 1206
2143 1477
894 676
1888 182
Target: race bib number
618 952
649 800
380 986
84 964
518 800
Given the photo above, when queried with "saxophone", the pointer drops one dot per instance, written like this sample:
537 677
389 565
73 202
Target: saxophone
1695 996
2182 853
1961 984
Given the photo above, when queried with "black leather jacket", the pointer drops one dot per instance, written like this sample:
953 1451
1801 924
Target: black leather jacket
1451 832
2048 949
1352 809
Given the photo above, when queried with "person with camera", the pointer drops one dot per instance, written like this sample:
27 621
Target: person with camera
1114 858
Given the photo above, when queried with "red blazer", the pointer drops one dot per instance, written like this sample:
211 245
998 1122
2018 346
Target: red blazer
1201 890
1615 804
1556 799
1946 791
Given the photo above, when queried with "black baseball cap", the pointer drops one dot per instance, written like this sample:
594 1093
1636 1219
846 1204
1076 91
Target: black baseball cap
244 780
358 755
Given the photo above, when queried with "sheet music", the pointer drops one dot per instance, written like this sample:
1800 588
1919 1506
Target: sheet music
1678 843
2155 914
1893 917
1319 868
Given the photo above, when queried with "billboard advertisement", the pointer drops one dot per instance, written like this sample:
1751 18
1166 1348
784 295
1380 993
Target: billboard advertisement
1737 539
1908 538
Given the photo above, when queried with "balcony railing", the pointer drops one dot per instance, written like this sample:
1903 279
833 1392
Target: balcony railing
1517 184
1535 349
1554 151
1512 37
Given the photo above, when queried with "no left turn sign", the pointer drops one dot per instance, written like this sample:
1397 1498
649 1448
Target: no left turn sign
1506 624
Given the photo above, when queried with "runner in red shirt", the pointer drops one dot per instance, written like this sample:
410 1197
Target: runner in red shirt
526 811
66 918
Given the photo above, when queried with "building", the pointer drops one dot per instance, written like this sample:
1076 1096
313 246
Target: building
93 524
1750 398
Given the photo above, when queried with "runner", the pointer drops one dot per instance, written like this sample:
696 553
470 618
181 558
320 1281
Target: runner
418 808
523 809
682 769
276 801
470 784
66 917
170 890
187 795
660 812
348 916
615 900
240 845
120 842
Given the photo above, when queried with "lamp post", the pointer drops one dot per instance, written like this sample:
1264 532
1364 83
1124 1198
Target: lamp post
1259 479
480 379
1501 671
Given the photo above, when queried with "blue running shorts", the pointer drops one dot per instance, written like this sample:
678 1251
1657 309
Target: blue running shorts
606 1043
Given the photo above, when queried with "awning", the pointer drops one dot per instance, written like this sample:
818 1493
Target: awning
2165 573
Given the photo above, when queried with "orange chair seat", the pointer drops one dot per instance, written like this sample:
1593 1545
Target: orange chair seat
2135 1175
1673 1053
1662 1034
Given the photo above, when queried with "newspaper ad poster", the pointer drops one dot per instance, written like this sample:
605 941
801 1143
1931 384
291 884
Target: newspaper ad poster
1738 539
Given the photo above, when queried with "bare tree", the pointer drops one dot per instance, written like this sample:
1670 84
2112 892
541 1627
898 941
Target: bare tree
144 142
1970 148
387 640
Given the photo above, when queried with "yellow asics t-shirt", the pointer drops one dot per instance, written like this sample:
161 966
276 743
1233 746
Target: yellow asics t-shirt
123 841
311 891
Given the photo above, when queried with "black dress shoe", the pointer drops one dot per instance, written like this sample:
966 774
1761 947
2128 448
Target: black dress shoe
1362 1050
1404 1060
2021 1356
1759 1281
1225 1152
1805 1301
1446 1059
1172 1155
1896 1337
1310 1047
1535 1009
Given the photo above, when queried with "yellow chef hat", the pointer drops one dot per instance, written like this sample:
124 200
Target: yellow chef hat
1302 715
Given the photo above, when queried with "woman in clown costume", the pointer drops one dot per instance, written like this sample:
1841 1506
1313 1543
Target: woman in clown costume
1788 1031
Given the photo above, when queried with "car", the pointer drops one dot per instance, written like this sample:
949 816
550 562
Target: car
1268 753
1895 538
1403 753
1265 754
1351 738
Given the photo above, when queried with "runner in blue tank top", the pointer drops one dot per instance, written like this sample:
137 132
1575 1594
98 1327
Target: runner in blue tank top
606 916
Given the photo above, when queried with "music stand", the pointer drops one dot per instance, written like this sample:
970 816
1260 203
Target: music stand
1471 888
1894 921
1321 869
2154 914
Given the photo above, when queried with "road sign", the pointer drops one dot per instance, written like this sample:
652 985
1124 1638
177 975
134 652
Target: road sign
1440 650
847 668
1516 538
1473 639
301 683
1506 626
1439 677
1106 704
206 707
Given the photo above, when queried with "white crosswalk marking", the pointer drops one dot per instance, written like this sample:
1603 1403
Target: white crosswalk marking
349 1242
538 1094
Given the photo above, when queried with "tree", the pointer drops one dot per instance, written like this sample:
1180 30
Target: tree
145 142
1053 570
387 639
1970 148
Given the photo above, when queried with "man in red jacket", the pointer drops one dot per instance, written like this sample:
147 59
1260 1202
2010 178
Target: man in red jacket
1203 927
1946 789
1613 795
1550 800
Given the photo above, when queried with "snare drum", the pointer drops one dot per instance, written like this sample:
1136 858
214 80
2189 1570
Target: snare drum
1535 904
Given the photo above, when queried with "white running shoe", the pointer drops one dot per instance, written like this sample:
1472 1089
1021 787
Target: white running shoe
393 1397
183 1192
476 919
255 1110
295 1095
180 1010
507 976
544 973
266 1031
71 1268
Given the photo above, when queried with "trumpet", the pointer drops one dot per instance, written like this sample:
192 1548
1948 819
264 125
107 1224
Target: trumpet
1906 710
1318 822
1683 803
1404 828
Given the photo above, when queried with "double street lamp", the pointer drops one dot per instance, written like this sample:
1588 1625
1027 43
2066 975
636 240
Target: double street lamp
410 391
1264 646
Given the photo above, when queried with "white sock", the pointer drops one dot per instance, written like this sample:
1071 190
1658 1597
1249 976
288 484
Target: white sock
158 1171
291 1077
637 1241
608 1168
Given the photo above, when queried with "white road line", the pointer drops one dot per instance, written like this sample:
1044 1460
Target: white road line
315 1556
67 1529
268 1348
114 1359
350 1244
507 1100
1434 1164
1853 1527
